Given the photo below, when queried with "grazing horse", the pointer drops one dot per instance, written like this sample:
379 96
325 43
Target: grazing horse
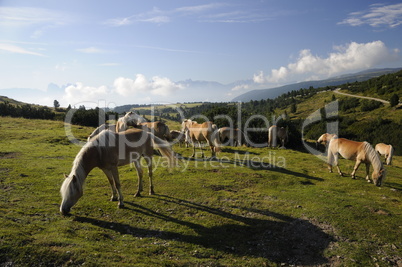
234 137
179 137
107 151
204 132
276 133
385 150
362 152
105 126
325 138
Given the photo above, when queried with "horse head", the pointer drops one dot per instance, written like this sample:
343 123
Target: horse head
379 176
71 191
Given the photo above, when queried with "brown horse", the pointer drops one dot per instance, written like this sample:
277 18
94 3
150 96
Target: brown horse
361 152
385 150
107 151
204 132
158 128
234 137
276 133
178 137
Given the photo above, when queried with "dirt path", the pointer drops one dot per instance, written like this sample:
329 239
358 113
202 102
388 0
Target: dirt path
337 91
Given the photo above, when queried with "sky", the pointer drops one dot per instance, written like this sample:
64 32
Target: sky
112 53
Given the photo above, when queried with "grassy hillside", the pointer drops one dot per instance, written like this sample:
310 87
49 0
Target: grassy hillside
252 207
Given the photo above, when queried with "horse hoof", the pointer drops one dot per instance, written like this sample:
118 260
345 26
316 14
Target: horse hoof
113 199
137 194
121 206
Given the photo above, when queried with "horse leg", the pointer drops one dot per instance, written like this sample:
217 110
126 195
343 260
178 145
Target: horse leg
367 172
355 168
115 173
148 159
109 176
193 155
139 174
202 151
336 158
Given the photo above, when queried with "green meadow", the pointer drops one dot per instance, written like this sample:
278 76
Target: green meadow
250 207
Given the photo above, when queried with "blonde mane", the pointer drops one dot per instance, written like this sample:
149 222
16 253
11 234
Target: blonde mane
372 156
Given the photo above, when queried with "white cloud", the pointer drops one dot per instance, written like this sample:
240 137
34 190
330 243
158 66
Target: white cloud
17 49
156 86
78 93
351 57
376 16
241 87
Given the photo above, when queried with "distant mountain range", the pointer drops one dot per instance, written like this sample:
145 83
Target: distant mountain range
277 91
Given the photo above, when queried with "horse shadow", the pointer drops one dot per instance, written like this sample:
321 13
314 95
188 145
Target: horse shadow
260 165
276 237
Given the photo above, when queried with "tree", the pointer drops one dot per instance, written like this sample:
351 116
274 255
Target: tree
56 104
293 108
394 100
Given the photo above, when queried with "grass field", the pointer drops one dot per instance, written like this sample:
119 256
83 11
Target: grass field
251 207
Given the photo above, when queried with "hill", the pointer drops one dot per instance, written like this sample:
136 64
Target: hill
5 99
349 78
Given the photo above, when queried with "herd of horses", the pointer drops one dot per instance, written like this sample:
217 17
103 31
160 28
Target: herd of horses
133 138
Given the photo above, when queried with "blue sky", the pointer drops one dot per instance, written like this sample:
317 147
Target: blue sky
122 52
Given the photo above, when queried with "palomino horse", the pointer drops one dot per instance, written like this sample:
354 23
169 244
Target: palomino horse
130 119
158 128
276 133
325 138
234 137
110 127
362 152
107 151
204 132
385 150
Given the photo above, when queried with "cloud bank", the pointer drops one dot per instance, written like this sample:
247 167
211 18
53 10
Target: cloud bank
139 87
351 57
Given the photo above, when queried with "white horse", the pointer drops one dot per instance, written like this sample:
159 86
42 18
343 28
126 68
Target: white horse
385 150
107 151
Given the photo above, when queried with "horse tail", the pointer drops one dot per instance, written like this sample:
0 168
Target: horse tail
164 148
390 153
269 136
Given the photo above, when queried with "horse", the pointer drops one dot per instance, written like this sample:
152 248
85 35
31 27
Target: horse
204 132
105 126
130 119
158 128
362 152
325 138
275 133
179 137
107 151
235 137
385 150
